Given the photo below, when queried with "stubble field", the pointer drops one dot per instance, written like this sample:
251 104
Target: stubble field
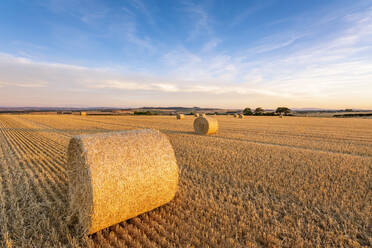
259 182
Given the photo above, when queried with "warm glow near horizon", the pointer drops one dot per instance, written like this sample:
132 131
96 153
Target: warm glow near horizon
300 54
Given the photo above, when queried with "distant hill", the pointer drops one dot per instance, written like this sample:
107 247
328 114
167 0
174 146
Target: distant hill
111 109
160 110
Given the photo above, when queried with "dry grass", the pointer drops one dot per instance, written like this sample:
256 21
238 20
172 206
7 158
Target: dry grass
260 181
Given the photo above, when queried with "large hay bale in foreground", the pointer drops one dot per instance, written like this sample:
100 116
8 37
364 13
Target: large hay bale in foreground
116 176
203 125
180 116
241 116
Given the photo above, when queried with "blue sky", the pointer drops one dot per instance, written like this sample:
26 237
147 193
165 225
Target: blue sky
212 53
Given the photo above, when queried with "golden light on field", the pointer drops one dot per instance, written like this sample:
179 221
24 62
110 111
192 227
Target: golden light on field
276 182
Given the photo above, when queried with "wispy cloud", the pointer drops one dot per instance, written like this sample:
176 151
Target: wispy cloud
200 18
23 85
269 46
244 14
297 67
87 11
141 6
103 21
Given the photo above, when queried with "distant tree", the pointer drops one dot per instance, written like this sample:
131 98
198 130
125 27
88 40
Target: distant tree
348 110
283 110
259 111
143 113
247 111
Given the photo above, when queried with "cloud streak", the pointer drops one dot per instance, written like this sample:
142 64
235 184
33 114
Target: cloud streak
299 67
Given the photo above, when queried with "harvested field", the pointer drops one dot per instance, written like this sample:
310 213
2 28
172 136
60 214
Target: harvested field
258 182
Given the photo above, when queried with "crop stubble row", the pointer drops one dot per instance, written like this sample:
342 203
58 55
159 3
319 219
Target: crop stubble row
233 192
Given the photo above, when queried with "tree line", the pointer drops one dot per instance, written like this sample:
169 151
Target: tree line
261 111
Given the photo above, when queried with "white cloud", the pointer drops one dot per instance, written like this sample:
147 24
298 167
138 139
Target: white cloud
324 73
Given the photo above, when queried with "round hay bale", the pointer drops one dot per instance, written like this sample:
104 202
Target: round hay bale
203 125
83 113
117 176
196 114
180 116
204 115
241 116
236 115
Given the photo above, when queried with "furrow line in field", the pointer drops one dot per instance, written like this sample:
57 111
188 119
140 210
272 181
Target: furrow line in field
318 136
36 132
15 146
305 148
33 145
48 127
42 145
39 186
15 184
14 150
4 194
53 187
135 232
113 123
296 147
41 140
20 142
153 231
118 238
49 168
37 149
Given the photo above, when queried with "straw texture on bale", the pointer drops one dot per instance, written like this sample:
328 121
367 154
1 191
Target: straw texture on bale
241 116
196 114
83 113
117 176
203 125
180 116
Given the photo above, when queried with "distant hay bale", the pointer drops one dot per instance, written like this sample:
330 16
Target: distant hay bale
117 176
180 116
83 113
204 115
236 115
203 125
241 116
197 115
